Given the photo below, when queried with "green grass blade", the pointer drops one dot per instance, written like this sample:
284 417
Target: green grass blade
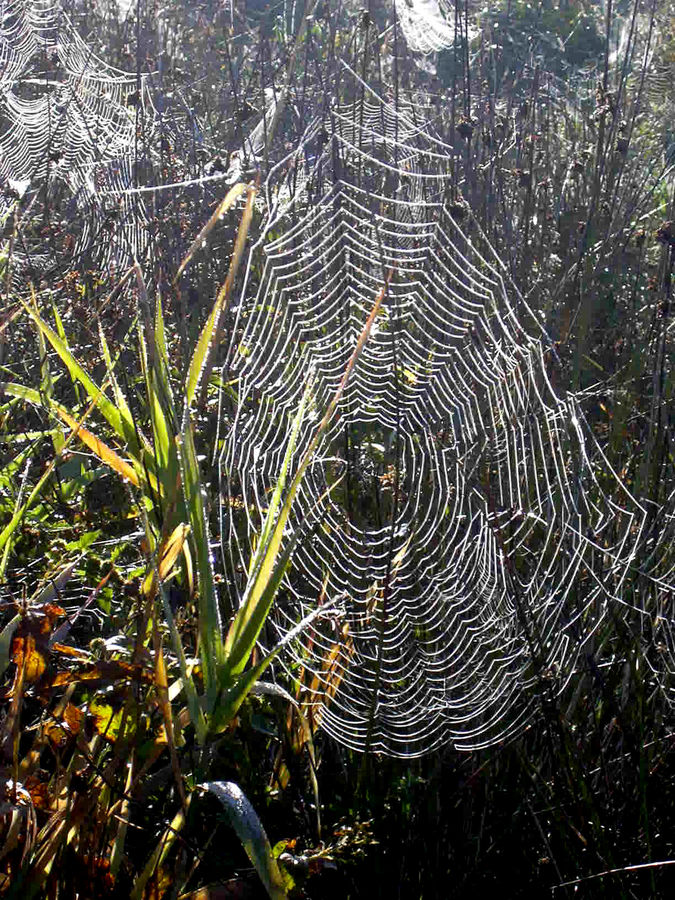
250 619
162 412
112 414
161 440
199 363
236 690
105 453
261 556
251 833
257 600
266 574
8 531
120 399
194 708
210 627
47 386
61 331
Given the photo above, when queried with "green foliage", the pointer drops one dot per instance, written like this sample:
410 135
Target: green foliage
562 37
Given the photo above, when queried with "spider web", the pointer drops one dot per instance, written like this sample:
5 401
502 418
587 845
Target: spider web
429 26
458 514
69 119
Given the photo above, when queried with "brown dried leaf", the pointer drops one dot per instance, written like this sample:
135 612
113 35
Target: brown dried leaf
73 718
107 671
27 656
39 792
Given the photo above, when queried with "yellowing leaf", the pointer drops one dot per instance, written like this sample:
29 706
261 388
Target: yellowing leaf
104 453
168 555
200 241
106 720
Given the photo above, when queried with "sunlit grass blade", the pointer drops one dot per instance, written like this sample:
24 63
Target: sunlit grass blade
256 603
162 412
200 358
168 554
263 559
237 689
138 476
189 568
120 399
122 426
47 383
251 833
164 460
200 241
210 628
105 453
9 530
248 623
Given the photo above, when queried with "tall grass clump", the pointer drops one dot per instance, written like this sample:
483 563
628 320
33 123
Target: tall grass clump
171 683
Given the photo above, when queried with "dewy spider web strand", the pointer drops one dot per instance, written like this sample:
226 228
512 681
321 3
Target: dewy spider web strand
470 544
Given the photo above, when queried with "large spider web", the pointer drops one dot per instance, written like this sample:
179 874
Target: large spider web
459 521
471 535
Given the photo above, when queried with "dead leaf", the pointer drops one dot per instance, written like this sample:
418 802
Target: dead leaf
27 656
106 671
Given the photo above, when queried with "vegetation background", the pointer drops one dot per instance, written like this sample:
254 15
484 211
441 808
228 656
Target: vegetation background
143 747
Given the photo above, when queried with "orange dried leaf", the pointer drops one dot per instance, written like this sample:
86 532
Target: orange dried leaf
73 718
27 656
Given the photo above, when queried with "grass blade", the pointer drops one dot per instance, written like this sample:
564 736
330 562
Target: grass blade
210 627
252 613
200 241
159 854
123 428
199 364
167 556
258 598
251 833
105 453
